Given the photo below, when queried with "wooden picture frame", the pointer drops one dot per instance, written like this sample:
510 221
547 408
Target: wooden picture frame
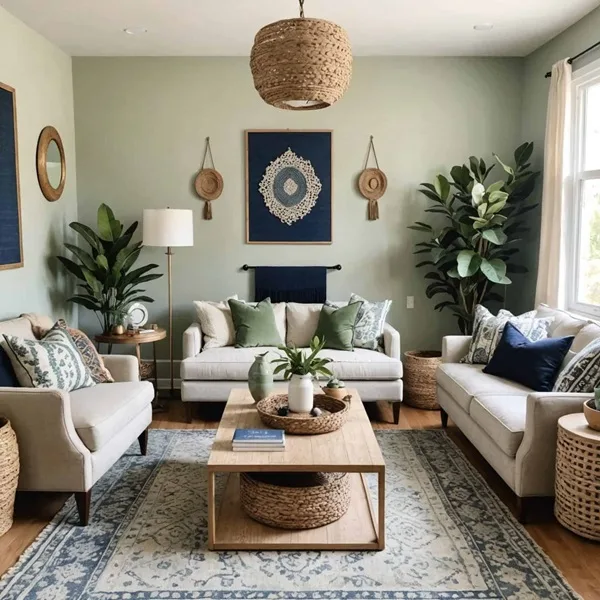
50 134
314 146
11 229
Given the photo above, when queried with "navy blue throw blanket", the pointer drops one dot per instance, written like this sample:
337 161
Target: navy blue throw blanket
291 284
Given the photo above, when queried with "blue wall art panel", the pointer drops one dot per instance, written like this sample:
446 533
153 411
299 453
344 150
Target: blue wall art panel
288 178
11 249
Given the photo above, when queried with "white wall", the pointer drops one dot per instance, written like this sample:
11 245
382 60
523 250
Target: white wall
42 77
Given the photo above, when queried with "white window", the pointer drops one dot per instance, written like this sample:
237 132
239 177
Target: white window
583 282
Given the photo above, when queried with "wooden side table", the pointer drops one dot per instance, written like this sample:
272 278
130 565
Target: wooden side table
135 340
577 487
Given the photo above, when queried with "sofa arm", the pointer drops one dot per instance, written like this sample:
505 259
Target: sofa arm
122 367
535 458
52 456
455 347
192 340
391 341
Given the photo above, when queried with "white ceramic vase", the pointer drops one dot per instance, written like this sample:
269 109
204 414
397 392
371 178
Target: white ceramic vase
301 394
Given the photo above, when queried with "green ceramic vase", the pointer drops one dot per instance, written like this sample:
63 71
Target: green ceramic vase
260 377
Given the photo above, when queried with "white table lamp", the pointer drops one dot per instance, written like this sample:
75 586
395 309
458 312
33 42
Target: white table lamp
168 228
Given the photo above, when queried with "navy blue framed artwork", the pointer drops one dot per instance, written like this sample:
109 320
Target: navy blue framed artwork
288 187
11 245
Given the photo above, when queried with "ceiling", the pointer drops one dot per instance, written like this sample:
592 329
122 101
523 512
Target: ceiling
227 27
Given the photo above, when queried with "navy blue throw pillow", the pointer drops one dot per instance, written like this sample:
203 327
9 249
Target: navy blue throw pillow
533 364
7 373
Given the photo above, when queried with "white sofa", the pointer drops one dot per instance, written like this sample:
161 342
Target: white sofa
513 427
209 375
68 440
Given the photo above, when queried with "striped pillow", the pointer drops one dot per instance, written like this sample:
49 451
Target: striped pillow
53 362
582 374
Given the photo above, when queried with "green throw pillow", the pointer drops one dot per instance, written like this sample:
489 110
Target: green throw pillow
336 325
254 324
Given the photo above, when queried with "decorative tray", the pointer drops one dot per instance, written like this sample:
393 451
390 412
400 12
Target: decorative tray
333 416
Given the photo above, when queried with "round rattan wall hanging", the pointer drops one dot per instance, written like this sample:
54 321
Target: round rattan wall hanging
209 182
372 183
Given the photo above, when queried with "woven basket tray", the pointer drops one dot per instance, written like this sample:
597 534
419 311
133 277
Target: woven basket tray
295 500
335 413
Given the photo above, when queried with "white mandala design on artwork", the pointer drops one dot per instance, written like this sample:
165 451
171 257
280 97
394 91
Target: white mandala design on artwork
290 187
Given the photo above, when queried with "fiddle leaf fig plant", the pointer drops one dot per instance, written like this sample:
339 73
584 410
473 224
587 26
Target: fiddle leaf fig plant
470 249
107 282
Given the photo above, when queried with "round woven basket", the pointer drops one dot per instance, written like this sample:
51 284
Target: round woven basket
577 487
301 64
295 500
419 378
9 474
334 415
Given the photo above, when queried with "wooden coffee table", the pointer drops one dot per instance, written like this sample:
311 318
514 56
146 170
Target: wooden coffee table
352 449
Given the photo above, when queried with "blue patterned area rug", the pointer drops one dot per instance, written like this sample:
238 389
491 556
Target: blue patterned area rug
448 538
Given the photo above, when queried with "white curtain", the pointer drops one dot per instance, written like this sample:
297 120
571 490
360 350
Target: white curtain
551 261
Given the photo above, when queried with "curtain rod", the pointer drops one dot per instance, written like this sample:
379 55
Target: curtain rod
570 61
333 268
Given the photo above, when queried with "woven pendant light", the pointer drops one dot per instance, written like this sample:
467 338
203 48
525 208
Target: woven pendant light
301 64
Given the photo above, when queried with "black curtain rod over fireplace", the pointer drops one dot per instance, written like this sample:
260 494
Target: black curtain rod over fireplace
570 61
333 268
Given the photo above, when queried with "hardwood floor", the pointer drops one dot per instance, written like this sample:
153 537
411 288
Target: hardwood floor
578 559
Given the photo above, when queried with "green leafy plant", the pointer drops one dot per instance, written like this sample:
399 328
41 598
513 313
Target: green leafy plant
335 384
107 282
297 362
471 252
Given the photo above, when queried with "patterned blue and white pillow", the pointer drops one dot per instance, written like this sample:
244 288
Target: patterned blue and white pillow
487 331
53 362
582 374
370 321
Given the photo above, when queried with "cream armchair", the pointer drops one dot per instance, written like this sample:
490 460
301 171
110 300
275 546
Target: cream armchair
67 441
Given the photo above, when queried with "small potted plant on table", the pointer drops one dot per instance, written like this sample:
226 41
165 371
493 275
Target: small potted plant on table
335 388
300 368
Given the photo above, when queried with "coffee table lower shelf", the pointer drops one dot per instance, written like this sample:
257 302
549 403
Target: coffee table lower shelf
229 528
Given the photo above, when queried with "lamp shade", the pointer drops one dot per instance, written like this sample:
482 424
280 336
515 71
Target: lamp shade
166 227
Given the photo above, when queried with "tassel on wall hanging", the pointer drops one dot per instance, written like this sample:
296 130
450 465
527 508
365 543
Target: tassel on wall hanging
209 182
372 183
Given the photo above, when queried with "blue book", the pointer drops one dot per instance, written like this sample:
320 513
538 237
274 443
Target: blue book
259 436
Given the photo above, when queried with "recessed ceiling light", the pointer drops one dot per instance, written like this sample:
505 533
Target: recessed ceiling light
483 27
135 30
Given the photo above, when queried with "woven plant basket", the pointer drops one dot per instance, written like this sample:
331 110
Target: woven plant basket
419 378
9 474
308 60
295 500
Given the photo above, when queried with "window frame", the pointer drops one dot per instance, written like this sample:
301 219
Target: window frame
585 79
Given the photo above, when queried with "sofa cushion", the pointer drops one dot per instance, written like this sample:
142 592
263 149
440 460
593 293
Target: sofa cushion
232 364
502 417
20 327
463 382
587 334
254 324
564 323
302 321
99 413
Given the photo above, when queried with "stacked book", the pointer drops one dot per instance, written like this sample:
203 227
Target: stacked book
258 440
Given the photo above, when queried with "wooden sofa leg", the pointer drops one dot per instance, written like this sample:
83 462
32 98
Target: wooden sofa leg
83 501
189 412
396 409
444 417
143 440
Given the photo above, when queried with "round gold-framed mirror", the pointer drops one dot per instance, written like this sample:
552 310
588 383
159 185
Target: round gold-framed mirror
51 164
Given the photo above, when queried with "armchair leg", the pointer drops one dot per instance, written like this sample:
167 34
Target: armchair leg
396 409
444 417
143 440
83 501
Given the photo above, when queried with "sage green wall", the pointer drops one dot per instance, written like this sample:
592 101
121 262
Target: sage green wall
141 124
535 100
42 77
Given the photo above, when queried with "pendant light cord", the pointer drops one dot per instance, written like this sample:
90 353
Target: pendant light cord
301 9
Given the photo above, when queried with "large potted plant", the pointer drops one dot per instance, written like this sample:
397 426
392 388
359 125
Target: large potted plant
470 250
299 368
106 280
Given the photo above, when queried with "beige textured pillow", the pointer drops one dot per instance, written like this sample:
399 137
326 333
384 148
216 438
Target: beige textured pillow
279 312
216 323
302 321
